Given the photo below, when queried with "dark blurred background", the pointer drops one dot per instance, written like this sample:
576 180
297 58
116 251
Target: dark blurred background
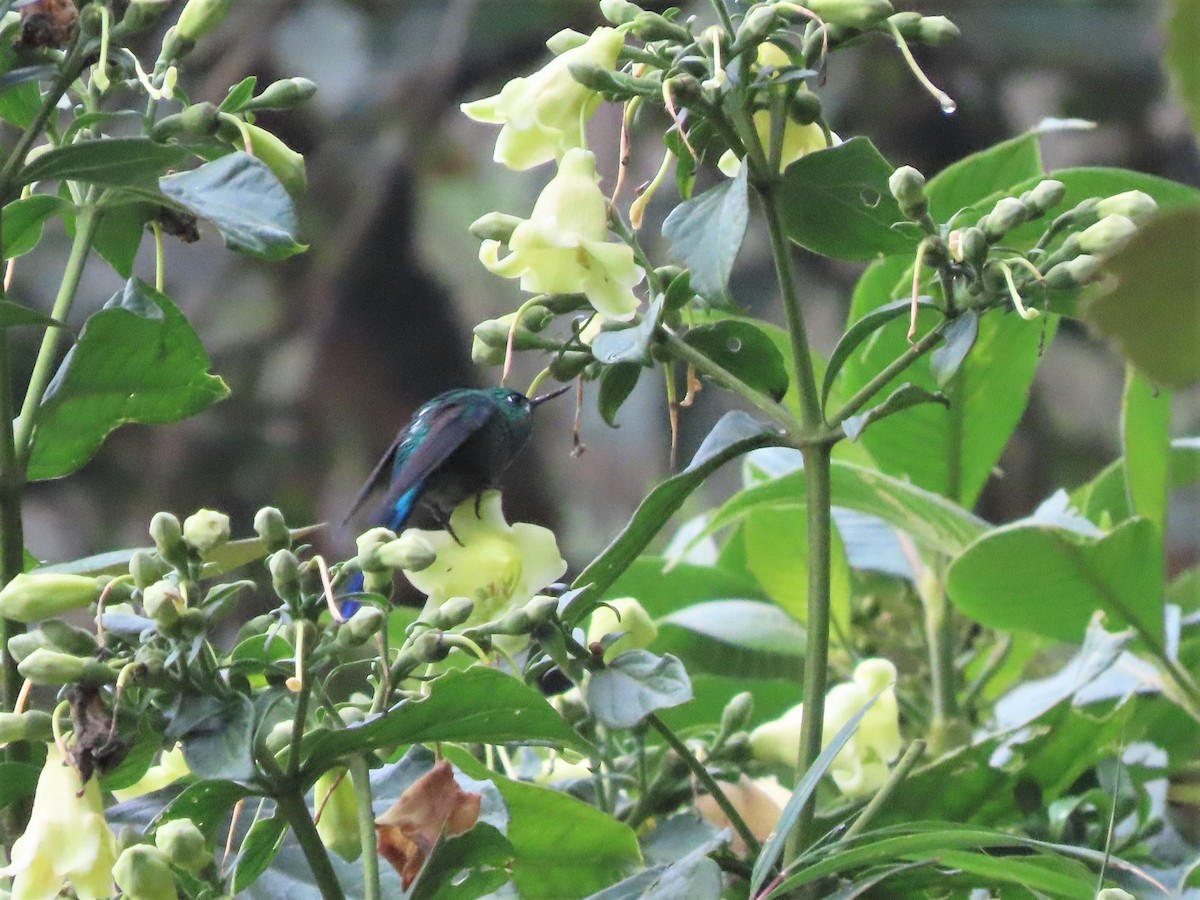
328 353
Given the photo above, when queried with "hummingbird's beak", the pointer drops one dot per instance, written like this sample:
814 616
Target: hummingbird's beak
538 401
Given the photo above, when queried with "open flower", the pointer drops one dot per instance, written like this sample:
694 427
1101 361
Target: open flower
563 247
67 839
543 115
862 765
498 566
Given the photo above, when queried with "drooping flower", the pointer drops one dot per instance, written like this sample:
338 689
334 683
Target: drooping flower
862 765
563 247
497 566
67 840
543 115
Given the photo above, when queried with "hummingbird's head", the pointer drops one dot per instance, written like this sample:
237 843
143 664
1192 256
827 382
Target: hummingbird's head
514 403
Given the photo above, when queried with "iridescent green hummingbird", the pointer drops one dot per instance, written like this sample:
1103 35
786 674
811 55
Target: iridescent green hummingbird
456 446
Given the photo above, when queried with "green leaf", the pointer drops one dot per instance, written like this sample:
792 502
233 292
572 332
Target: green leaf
478 705
634 685
1183 49
744 638
23 221
483 853
119 234
14 315
904 397
1049 580
735 434
1146 435
744 350
960 337
239 94
616 384
564 848
112 161
859 332
17 781
1106 495
137 360
217 733
241 196
982 174
1184 590
1151 306
206 804
629 345
706 234
20 98
837 203
261 844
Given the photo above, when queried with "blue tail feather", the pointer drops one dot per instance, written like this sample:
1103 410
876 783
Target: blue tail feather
404 507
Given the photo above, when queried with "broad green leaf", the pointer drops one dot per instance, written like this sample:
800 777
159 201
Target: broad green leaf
745 351
974 177
1183 49
616 384
23 221
476 705
137 360
739 638
859 332
206 803
119 234
735 434
904 397
706 233
1151 306
216 733
629 345
1146 437
241 196
837 203
111 162
14 315
564 848
259 848
1050 580
634 685
1105 494
17 781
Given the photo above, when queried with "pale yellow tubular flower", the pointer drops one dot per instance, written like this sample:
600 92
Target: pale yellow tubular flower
622 615
543 115
798 140
170 768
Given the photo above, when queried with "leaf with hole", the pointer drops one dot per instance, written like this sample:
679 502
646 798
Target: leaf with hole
743 350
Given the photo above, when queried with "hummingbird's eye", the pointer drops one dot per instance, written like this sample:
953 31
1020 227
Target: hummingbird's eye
514 399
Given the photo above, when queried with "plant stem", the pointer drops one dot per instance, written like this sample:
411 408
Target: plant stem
940 637
816 661
360 776
897 775
85 232
709 783
863 395
290 802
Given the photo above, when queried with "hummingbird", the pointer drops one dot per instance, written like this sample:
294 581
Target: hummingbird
455 446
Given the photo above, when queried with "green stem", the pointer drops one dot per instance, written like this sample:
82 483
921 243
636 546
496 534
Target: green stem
863 395
897 775
360 776
816 661
85 232
290 803
709 783
940 637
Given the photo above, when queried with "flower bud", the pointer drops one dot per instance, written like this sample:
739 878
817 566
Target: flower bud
650 26
1045 196
163 603
483 354
937 31
285 163
411 552
618 12
907 23
271 527
737 713
1135 205
32 596
452 613
184 845
154 659
973 246
44 666
623 615
31 725
616 85
804 108
285 94
1115 894
21 645
336 808
61 636
685 89
541 609
494 226
569 364
908 187
851 13
141 14
758 24
168 538
279 737
1107 236
285 574
199 17
361 626
143 872
146 569
205 529
1007 214
427 647
1073 273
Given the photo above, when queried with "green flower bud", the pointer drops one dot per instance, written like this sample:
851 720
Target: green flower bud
285 163
174 46
168 538
1073 273
937 31
68 638
805 108
271 527
146 569
623 615
205 529
1007 214
199 120
650 26
141 14
285 94
685 89
908 187
1045 196
21 645
163 603
737 712
31 725
973 246
143 872
32 596
1107 236
199 17
756 27
541 609
351 715
362 626
184 845
494 226
411 552
454 612
1135 205
907 23
859 14
279 737
44 666
153 658
483 354
427 647
368 544
567 365
515 621
334 797
618 12
285 574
